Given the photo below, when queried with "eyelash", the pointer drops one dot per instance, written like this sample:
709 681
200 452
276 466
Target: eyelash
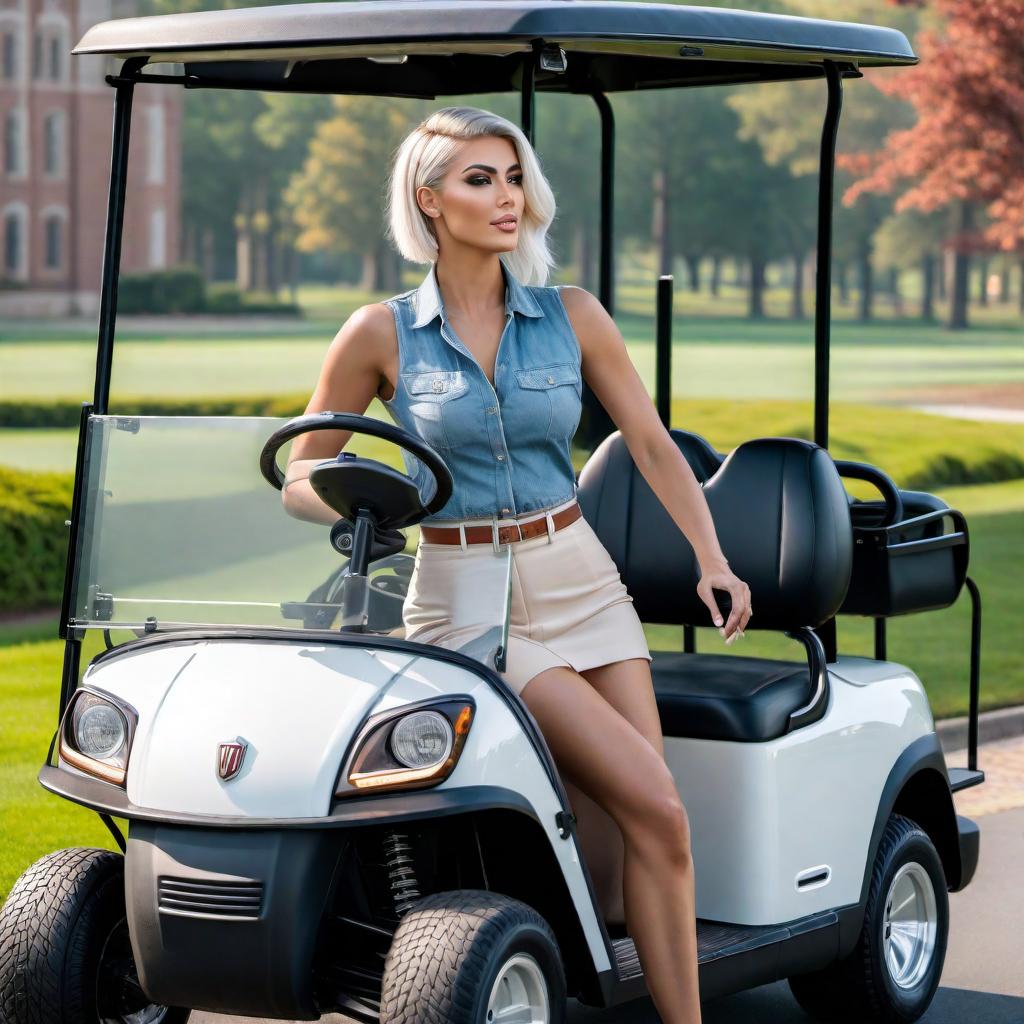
518 178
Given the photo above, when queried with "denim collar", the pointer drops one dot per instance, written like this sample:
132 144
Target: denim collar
428 298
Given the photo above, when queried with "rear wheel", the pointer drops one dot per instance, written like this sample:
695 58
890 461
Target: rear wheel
474 957
65 951
893 971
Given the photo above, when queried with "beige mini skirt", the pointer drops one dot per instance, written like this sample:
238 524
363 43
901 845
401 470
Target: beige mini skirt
569 606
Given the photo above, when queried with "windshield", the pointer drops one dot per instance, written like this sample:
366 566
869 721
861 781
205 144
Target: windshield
179 530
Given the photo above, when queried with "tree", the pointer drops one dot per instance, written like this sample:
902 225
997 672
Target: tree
966 149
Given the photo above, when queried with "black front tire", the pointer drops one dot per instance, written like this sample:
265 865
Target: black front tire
861 987
65 954
449 950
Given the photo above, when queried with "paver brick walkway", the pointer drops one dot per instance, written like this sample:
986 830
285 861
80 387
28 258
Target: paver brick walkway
1003 789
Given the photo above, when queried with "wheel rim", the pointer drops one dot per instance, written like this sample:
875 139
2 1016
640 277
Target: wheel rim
910 925
119 996
519 994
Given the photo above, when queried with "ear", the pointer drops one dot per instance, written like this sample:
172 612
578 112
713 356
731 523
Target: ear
427 201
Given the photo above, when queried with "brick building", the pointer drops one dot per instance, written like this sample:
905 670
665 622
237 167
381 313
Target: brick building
56 116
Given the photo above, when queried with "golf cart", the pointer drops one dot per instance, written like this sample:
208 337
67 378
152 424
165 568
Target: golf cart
327 815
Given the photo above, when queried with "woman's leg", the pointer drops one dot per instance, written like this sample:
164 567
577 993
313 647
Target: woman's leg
606 756
626 685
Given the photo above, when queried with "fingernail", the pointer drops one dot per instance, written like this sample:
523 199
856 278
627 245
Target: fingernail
718 622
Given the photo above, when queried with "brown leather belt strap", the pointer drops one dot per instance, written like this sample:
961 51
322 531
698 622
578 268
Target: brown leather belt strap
506 534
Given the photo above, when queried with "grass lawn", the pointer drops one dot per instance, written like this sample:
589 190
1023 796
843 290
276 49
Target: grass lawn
934 645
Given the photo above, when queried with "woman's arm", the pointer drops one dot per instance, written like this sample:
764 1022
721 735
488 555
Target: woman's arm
611 375
348 381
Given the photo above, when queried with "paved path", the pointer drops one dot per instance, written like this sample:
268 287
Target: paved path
974 412
982 979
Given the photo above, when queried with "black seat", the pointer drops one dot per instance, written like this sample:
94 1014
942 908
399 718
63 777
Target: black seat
727 697
783 520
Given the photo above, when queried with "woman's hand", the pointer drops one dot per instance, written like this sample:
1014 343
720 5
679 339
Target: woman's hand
720 577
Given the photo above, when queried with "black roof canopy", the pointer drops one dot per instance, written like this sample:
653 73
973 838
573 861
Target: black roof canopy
429 48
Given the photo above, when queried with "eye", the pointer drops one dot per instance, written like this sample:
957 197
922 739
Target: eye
483 179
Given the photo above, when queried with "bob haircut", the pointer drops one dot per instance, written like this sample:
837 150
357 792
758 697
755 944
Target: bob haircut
425 156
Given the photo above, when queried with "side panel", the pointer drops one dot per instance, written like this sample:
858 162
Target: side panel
765 816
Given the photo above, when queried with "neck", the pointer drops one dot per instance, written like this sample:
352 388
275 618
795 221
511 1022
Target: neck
470 288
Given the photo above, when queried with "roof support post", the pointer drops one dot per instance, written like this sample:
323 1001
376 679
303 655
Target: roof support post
124 85
596 424
823 278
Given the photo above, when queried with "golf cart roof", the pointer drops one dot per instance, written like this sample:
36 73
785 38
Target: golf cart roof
429 48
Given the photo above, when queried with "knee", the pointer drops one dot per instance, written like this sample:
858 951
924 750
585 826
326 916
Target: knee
663 824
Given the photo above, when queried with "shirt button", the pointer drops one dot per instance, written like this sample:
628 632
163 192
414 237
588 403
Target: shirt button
501 458
437 386
551 380
506 510
492 409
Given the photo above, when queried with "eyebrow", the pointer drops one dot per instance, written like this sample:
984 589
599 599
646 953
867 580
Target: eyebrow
491 170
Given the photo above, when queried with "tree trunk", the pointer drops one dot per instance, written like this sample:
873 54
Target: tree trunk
662 221
842 279
693 271
1004 282
928 287
755 303
866 281
961 273
942 276
796 305
894 291
367 281
983 282
585 275
716 276
208 254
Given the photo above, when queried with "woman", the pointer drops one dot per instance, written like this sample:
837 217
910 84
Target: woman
487 368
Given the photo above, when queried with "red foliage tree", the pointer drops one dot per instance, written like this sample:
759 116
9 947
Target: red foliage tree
967 147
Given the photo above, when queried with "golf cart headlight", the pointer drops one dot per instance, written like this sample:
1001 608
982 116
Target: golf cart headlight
407 748
100 730
422 739
96 735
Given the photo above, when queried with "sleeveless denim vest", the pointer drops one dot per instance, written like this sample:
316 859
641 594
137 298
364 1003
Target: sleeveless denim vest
507 446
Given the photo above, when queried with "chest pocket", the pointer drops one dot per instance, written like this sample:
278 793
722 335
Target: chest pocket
440 419
550 395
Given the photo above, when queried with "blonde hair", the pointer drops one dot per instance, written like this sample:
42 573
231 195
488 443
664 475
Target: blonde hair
424 158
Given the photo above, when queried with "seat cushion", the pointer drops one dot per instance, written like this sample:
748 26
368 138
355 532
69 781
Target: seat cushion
727 697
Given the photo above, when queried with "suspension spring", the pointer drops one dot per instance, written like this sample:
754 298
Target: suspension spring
401 870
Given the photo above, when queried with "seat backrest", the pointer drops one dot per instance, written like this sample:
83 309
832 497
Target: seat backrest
782 518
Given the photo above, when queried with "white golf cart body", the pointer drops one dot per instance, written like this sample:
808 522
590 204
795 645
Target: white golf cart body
260 878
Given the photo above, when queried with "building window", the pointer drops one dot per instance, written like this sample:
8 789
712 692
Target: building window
155 139
14 143
54 233
53 144
55 58
14 243
10 56
37 54
157 239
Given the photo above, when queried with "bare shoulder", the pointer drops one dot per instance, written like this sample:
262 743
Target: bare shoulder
593 327
368 337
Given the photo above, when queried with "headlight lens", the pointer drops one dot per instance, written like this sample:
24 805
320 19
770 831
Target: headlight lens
422 739
96 735
99 731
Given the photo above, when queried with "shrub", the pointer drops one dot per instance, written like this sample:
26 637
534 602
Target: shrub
33 538
174 290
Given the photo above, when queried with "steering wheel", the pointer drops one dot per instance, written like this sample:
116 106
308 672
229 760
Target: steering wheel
349 483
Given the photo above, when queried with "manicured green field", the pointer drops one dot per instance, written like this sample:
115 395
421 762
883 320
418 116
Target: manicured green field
934 645
710 359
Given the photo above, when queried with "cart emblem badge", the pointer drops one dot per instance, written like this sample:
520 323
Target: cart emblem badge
230 757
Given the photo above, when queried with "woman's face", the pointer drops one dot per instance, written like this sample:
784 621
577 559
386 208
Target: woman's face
483 185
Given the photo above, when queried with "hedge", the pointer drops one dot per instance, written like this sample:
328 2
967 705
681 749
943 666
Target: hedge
33 538
182 289
59 414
